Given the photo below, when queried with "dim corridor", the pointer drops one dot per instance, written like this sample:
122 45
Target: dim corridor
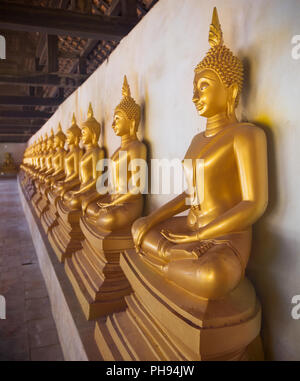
28 333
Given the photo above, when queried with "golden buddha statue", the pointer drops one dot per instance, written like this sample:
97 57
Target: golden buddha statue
69 178
114 211
72 160
29 167
43 172
188 273
43 151
66 236
55 164
37 165
28 163
57 173
58 160
8 167
107 221
207 252
88 172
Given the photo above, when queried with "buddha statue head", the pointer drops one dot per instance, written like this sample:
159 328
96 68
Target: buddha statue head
37 147
50 141
59 138
73 133
90 129
218 77
127 114
44 144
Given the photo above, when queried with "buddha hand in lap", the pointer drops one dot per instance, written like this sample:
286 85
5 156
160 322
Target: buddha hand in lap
206 253
87 166
115 209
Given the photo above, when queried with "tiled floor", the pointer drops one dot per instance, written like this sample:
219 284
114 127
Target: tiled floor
28 333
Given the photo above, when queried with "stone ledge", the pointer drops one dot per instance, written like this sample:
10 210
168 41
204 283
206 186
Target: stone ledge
76 334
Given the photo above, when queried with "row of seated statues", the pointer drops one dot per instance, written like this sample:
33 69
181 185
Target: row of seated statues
161 286
9 166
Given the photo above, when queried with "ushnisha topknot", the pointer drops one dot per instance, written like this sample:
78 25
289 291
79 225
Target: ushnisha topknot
220 59
92 123
128 104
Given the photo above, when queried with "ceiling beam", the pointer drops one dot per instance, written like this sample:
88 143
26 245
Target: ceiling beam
52 53
36 123
62 22
29 101
8 130
129 8
42 79
24 114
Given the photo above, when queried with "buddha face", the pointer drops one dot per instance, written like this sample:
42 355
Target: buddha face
56 142
210 94
121 124
70 137
87 135
49 144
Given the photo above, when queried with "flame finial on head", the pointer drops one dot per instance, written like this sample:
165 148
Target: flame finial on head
126 88
74 119
90 113
215 36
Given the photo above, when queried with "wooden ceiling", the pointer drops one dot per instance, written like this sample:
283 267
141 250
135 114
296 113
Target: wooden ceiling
52 47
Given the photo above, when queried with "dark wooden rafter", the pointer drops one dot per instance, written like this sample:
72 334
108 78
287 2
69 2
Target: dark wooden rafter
11 122
52 53
42 79
128 8
24 114
62 22
30 101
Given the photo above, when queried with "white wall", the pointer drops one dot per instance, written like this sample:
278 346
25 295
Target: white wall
16 149
159 57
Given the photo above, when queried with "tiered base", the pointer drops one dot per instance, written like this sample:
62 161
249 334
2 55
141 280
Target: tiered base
95 273
65 237
50 216
164 322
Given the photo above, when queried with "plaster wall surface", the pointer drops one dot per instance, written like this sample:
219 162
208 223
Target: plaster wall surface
159 57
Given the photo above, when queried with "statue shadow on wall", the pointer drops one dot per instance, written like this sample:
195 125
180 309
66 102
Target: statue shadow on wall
101 141
267 245
147 143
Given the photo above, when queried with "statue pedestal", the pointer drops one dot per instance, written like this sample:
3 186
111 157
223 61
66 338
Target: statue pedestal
95 272
50 215
164 322
37 197
28 184
66 236
42 204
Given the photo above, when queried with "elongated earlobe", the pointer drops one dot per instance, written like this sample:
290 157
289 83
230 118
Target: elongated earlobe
132 127
233 92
